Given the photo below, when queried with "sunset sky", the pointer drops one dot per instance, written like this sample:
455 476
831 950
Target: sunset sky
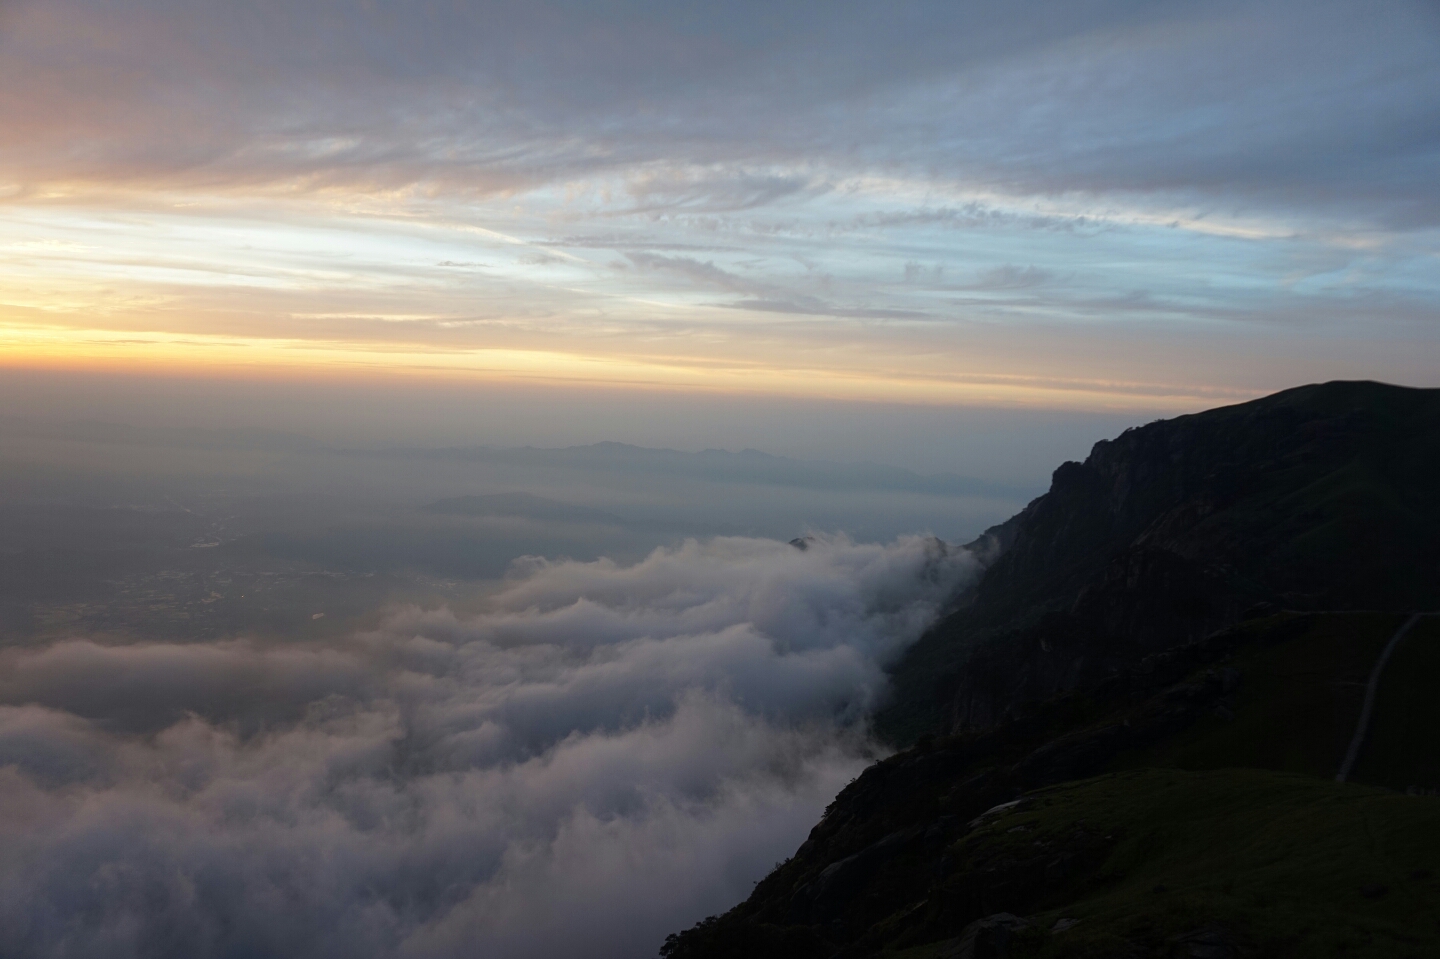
1085 206
470 469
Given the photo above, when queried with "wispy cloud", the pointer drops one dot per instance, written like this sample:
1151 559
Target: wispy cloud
1011 277
1027 165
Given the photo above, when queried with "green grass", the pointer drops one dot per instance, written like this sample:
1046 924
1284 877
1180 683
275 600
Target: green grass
1234 821
1285 861
1238 820
1297 703
1401 750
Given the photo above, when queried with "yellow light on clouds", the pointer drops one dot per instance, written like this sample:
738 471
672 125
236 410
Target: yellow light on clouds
51 347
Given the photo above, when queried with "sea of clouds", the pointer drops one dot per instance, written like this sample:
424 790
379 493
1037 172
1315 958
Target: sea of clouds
606 755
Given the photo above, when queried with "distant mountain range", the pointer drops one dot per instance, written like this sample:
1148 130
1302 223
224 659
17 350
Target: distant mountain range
1151 689
521 506
746 466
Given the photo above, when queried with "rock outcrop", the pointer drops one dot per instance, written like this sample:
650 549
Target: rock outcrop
1321 497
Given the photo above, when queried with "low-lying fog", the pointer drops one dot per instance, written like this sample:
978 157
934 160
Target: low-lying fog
264 697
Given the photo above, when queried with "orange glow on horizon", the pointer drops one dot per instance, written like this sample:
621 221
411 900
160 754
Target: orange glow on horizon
37 347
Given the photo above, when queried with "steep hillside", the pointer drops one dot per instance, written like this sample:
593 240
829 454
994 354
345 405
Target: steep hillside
1322 497
1156 681
1190 795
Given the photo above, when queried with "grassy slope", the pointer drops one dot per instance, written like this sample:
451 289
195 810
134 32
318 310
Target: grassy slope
1298 701
1291 865
1236 815
1401 750
1238 822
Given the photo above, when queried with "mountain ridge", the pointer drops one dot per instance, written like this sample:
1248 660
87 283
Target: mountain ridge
1173 610
1173 529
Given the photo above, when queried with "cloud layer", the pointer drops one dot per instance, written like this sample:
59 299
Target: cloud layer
607 754
1105 204
1282 100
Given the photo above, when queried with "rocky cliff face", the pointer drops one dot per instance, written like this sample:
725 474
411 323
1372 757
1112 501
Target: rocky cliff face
891 835
1320 497
1125 820
1118 620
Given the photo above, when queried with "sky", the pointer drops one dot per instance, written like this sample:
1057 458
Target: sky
271 700
1097 208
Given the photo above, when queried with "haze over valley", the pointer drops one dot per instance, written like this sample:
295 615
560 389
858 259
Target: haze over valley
782 480
154 531
427 659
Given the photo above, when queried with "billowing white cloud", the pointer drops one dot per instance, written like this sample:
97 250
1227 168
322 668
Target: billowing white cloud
606 754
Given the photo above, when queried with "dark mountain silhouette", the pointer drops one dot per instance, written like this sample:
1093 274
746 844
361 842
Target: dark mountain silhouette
1322 497
1160 672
